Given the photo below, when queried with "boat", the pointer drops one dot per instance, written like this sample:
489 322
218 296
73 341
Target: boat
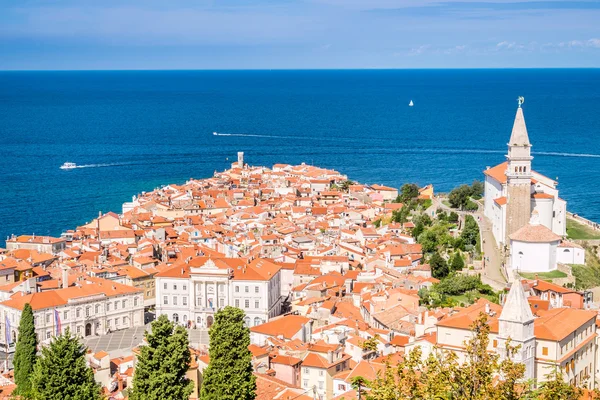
411 104
68 165
215 133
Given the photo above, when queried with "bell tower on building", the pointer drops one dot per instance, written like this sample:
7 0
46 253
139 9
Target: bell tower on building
518 176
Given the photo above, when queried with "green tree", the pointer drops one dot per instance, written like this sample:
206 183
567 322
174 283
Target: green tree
555 387
417 230
401 215
439 266
459 196
470 232
229 372
358 383
457 262
409 191
61 372
477 189
345 185
162 364
370 344
25 353
453 217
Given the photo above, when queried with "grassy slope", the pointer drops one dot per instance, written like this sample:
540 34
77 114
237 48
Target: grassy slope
577 230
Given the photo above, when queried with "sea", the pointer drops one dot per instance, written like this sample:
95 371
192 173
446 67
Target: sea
133 131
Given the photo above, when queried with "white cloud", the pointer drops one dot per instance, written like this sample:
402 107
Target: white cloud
419 50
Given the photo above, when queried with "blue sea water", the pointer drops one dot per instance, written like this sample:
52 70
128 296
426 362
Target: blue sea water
140 129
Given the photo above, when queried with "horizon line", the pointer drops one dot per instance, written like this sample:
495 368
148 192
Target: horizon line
298 69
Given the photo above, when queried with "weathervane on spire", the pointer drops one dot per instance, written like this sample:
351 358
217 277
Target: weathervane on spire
521 100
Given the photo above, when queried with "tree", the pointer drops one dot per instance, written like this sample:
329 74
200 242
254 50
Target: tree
25 353
409 191
401 215
457 262
477 189
358 383
229 372
453 217
62 373
162 364
345 185
470 232
439 266
459 196
555 387
370 344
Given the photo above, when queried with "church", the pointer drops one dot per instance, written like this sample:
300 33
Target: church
528 217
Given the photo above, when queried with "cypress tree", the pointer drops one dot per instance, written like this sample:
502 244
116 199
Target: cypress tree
162 364
457 262
229 372
61 372
25 353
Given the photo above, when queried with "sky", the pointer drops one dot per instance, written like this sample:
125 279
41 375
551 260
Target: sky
297 34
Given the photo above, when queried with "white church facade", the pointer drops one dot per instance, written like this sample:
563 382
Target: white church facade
528 217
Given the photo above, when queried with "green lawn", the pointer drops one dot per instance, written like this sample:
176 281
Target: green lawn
546 276
462 298
577 230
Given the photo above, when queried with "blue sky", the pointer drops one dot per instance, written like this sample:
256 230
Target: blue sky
247 34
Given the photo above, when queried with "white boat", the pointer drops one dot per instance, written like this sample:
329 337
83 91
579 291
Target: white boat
411 104
215 133
68 165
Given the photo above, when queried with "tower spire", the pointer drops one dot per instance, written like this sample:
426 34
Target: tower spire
519 136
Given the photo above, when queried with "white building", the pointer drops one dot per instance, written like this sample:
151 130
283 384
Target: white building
190 294
513 190
92 307
533 248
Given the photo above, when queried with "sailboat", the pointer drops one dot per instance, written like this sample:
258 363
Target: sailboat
411 104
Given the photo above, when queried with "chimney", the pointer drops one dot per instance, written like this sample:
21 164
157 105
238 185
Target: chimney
487 308
65 276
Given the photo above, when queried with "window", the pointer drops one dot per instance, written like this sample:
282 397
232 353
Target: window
78 313
174 287
544 351
321 384
108 306
256 289
124 303
342 387
184 288
124 320
48 333
237 289
97 308
176 317
237 303
495 343
185 319
256 303
174 300
184 300
247 303
135 301
78 330
306 370
165 286
567 368
65 314
116 305
198 320
47 318
246 289
321 373
257 321
88 311
305 383
166 300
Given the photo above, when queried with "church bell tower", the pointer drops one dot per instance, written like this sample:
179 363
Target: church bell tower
518 176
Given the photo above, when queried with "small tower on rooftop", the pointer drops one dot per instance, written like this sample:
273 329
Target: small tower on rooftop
516 323
240 159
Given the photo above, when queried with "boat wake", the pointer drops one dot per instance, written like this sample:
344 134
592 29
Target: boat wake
256 135
557 154
99 165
